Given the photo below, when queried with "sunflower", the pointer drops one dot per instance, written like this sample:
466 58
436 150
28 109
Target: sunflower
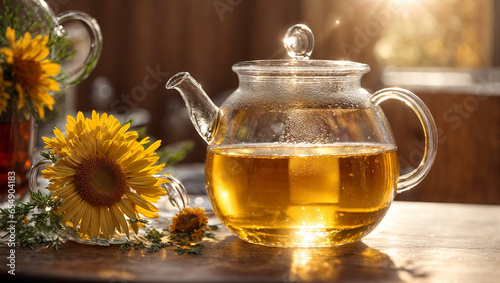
31 69
103 173
4 96
192 221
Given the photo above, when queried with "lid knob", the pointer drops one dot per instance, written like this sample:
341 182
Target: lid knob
299 41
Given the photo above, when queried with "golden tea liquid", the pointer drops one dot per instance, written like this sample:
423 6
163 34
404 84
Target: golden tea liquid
301 196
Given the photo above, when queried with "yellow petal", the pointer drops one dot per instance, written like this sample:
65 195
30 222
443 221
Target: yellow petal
106 227
86 216
95 222
147 213
135 198
80 213
118 216
20 93
8 53
66 191
127 209
10 34
69 203
67 216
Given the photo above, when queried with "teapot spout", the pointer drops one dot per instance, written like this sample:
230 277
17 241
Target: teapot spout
202 111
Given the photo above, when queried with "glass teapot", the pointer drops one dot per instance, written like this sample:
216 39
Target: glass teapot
38 18
300 155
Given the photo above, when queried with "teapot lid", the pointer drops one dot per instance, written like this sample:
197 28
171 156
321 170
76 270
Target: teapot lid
299 43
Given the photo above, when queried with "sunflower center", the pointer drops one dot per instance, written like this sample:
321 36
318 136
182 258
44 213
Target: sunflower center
100 181
28 72
188 223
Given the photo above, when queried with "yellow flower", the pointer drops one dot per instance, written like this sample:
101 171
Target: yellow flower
197 234
31 69
191 221
103 173
4 96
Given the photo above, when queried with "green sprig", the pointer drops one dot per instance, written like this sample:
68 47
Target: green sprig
154 236
184 242
196 249
49 156
43 226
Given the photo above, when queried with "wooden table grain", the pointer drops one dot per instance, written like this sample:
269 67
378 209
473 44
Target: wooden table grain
417 242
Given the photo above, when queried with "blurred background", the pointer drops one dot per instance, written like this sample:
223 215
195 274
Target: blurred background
447 52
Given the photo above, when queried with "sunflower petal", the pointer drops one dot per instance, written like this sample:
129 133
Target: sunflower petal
146 213
86 217
66 191
95 221
106 227
68 203
80 213
121 219
67 216
138 200
127 209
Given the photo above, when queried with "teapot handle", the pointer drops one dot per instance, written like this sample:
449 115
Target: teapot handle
176 192
79 74
408 181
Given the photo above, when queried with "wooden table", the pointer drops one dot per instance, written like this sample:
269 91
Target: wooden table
415 242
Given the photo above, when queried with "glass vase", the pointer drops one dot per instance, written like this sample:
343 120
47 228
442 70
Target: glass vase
17 144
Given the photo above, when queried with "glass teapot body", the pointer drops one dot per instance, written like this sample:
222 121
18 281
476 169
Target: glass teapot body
301 159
